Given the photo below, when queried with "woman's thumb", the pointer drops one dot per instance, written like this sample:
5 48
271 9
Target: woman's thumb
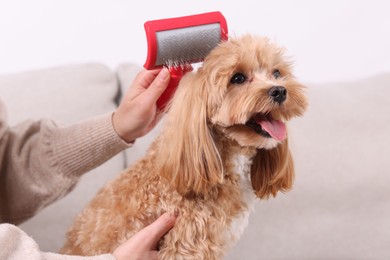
155 231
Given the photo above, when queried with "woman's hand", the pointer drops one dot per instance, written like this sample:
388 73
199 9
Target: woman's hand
137 114
143 245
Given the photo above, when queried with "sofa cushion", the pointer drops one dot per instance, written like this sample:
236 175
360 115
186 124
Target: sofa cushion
67 94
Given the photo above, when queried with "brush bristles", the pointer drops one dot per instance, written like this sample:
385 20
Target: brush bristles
183 46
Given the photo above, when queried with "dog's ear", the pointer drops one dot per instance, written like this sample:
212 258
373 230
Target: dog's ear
189 159
272 171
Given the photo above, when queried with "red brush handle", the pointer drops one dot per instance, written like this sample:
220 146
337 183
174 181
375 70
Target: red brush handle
176 74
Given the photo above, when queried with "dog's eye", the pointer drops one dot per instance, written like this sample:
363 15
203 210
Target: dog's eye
238 78
276 73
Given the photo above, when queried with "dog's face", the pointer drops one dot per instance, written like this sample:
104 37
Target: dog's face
246 92
253 91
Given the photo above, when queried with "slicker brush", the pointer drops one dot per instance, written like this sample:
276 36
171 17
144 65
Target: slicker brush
177 43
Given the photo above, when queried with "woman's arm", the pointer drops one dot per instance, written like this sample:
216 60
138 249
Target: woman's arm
42 161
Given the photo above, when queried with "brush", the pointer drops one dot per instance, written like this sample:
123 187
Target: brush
178 42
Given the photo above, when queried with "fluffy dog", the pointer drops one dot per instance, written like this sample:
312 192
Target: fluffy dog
223 145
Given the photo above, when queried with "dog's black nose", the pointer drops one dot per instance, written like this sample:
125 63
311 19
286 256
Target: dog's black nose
278 94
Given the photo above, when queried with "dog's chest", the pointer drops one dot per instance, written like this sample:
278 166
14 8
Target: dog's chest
242 166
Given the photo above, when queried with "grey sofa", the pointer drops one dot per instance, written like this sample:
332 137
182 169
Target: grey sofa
339 207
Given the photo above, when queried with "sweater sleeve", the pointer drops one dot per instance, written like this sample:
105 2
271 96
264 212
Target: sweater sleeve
41 161
16 245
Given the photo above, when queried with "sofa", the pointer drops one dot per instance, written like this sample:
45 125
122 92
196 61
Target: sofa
339 207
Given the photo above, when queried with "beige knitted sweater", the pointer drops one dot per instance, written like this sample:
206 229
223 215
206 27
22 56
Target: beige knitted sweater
40 162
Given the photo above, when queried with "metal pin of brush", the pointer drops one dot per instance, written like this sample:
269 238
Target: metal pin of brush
176 43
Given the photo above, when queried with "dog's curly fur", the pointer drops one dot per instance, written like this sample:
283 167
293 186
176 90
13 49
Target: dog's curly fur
211 161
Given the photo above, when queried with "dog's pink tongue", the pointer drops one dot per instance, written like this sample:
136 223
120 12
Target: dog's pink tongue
277 129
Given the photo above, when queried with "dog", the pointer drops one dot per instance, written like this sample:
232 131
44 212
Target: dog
224 143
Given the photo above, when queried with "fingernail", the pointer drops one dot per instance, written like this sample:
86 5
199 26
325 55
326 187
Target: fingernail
163 75
176 212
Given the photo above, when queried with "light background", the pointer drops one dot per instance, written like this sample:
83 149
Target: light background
328 40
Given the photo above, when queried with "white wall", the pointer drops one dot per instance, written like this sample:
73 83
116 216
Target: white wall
329 40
